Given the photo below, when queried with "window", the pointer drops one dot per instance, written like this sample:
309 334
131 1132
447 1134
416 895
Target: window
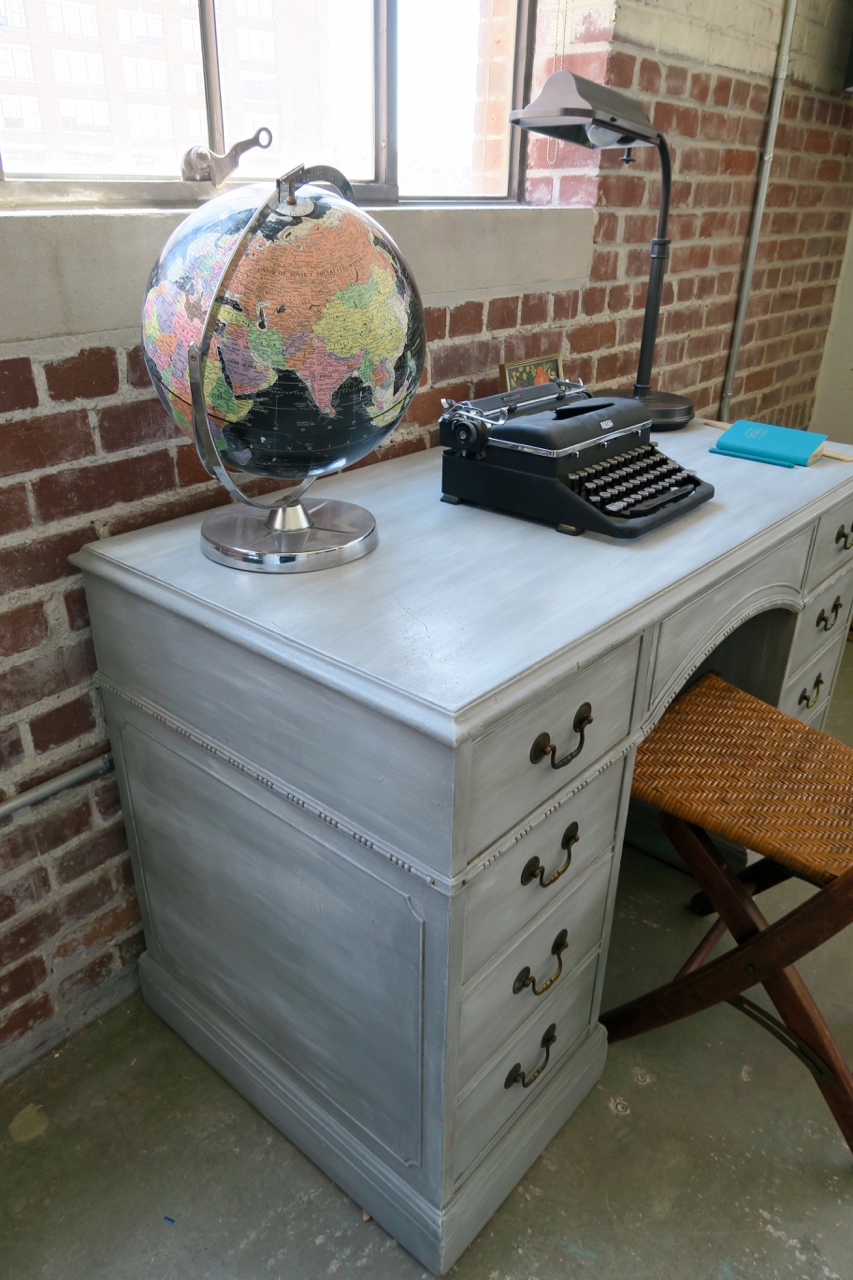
404 97
136 27
148 121
16 62
71 66
257 86
76 20
12 14
254 45
82 115
20 113
144 75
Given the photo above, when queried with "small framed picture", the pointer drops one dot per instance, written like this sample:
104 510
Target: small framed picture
530 373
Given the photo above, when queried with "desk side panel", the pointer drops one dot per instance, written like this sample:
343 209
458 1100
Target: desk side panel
388 781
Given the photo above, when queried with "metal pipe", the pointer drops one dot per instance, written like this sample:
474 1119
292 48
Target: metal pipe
659 254
100 765
212 86
522 78
779 77
385 94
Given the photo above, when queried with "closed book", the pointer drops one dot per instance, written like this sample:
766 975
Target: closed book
761 442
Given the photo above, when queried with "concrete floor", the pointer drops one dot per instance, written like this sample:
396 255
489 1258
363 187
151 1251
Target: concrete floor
705 1152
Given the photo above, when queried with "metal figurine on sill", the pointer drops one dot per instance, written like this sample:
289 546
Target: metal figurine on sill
283 332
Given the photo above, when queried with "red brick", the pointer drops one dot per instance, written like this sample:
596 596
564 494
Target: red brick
578 191
606 227
107 798
436 322
179 505
426 407
717 223
86 979
622 190
503 313
99 848
25 1018
605 265
123 426
717 126
26 891
690 257
650 76
94 934
592 337
24 843
42 677
130 949
539 191
702 160
11 749
14 509
676 120
818 141
712 195
700 86
22 939
102 485
619 298
533 346
466 319
676 81
21 981
67 761
566 304
682 320
707 343
727 255
534 308
829 171
620 69
395 449
722 91
190 468
639 228
76 609
137 372
615 365
630 329
30 444
760 379
593 300
17 385
92 372
62 724
464 360
738 162
759 98
22 628
741 90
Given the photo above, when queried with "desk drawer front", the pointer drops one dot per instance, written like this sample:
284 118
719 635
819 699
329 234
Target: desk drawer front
498 905
810 688
506 785
487 1104
833 546
496 1003
828 612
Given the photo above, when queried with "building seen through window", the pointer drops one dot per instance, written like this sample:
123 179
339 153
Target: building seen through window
115 88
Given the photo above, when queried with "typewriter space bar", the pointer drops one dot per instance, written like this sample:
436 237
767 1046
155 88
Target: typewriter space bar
654 504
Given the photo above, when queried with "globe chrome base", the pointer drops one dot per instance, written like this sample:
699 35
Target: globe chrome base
245 537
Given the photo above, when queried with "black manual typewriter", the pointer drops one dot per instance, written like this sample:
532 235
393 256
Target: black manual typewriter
559 454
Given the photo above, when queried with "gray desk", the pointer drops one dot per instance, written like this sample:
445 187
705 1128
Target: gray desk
331 802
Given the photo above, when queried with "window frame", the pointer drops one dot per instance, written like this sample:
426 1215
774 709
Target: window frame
77 190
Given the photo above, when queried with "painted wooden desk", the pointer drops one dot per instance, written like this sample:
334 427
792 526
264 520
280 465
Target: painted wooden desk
349 868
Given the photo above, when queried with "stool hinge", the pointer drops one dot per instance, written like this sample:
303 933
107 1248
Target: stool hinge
821 1072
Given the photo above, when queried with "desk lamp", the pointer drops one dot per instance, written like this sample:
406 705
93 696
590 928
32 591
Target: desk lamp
572 109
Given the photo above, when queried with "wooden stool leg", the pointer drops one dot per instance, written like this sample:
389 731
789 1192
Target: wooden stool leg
786 989
762 875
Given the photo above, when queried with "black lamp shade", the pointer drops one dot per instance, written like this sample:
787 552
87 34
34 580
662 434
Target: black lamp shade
587 114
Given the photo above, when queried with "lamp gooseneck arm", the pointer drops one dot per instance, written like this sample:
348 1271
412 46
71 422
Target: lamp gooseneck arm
659 255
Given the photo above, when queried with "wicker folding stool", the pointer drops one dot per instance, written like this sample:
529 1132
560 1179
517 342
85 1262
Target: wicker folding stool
721 761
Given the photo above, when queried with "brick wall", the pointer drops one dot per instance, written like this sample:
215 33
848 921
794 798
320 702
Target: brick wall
86 452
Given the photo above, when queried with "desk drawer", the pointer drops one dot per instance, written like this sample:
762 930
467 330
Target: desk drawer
494 1004
487 1104
498 905
828 612
833 547
810 688
506 785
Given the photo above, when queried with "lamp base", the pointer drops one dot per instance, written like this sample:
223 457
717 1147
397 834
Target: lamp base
668 412
329 533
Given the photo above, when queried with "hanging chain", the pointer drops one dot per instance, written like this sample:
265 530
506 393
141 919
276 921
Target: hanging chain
559 47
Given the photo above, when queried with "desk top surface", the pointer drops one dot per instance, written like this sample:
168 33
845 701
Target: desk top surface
457 602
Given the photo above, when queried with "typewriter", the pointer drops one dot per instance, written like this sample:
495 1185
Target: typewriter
559 454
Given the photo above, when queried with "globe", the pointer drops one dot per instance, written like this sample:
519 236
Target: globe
317 330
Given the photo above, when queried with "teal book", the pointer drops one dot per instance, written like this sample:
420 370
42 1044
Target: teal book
761 442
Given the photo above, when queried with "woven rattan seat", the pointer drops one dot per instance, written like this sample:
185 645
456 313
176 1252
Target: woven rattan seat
720 761
727 762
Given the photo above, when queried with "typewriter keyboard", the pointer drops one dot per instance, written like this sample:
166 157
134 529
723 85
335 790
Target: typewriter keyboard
633 484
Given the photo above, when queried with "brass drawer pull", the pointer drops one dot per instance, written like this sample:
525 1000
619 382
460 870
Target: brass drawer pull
517 1076
526 978
543 746
822 618
804 696
845 538
533 870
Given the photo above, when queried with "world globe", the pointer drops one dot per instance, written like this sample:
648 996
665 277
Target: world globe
317 337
